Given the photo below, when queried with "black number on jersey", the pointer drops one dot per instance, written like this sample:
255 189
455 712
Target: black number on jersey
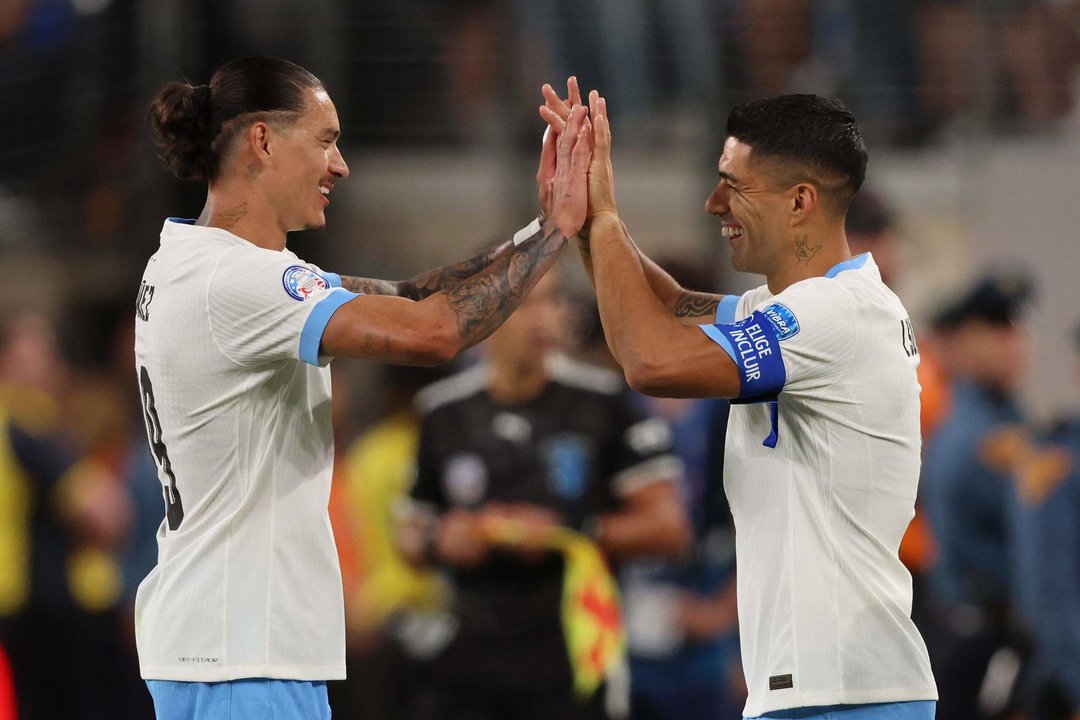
142 303
174 508
907 336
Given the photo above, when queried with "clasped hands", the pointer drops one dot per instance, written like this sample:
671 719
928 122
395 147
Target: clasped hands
575 177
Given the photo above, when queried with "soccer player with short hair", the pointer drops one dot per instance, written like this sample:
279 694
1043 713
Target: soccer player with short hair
243 614
823 444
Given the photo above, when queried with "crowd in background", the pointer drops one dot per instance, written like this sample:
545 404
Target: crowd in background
995 544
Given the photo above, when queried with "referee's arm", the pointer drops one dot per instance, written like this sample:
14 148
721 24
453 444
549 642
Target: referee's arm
650 522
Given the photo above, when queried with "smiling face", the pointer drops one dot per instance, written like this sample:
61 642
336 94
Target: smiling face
755 212
306 164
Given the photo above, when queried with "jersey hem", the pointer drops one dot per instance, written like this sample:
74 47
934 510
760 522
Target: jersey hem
858 697
306 673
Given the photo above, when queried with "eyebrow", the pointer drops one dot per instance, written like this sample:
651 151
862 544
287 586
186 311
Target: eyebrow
332 133
729 177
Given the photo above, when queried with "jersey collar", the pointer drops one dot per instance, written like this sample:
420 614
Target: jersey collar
854 263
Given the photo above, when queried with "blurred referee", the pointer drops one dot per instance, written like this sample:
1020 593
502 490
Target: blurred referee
530 435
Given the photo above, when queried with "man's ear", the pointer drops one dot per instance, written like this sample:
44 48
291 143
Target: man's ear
804 200
258 141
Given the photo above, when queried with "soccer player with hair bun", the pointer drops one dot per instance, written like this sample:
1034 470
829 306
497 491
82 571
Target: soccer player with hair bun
243 615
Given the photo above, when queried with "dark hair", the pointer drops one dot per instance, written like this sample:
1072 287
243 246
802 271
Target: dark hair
816 133
193 126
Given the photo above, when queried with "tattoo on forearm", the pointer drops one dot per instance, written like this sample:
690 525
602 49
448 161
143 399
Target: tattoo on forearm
696 304
485 300
804 253
433 281
385 348
430 282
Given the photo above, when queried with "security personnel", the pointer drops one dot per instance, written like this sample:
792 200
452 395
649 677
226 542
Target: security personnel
1047 549
968 493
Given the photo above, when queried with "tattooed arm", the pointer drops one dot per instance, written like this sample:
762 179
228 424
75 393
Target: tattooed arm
689 306
430 282
433 330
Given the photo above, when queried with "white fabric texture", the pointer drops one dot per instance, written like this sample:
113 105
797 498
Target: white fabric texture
823 596
248 583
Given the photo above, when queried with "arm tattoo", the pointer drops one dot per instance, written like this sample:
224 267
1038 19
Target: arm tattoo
804 253
486 299
696 304
430 282
433 281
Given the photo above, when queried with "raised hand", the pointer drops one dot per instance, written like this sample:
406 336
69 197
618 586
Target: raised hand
601 174
569 189
545 175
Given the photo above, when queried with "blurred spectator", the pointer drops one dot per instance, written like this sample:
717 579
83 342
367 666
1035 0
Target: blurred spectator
966 45
380 586
967 498
531 438
60 519
1046 546
648 55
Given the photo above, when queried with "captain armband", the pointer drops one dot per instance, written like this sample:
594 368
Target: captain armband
753 343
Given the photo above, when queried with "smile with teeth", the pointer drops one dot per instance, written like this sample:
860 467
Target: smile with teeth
731 231
324 190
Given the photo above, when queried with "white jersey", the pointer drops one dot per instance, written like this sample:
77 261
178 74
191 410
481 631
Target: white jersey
237 404
821 472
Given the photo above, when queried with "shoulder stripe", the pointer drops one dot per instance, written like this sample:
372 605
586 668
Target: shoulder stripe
582 375
456 387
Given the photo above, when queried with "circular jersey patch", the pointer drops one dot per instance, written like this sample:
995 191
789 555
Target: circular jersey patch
302 282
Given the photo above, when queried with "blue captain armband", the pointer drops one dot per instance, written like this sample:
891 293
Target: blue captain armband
754 344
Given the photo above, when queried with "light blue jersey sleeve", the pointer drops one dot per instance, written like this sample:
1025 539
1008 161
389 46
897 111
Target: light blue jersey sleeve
266 306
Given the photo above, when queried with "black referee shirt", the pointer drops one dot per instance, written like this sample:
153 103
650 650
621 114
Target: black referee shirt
575 449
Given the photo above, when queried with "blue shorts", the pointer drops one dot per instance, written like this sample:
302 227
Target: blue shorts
917 710
249 699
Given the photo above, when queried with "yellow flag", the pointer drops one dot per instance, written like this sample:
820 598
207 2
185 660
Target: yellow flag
591 610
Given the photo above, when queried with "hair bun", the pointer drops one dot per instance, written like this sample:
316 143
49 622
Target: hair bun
180 119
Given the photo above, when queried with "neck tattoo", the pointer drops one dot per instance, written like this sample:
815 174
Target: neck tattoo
803 252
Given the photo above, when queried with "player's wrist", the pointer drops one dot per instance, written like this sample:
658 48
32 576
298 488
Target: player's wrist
603 220
561 223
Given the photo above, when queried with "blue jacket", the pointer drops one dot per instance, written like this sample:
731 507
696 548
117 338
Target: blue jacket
968 501
1047 537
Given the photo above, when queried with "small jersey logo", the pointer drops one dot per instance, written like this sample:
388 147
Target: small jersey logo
781 317
302 282
568 459
465 479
